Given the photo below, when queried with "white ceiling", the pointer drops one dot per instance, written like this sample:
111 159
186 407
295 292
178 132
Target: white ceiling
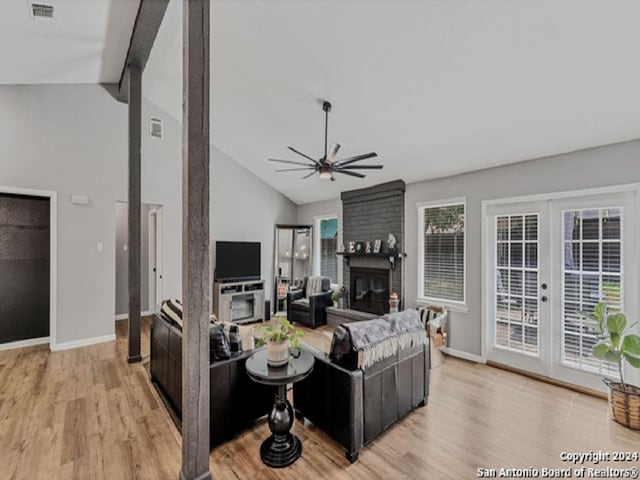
86 42
434 87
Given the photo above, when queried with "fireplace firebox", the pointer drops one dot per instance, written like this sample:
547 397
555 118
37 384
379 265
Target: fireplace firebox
369 290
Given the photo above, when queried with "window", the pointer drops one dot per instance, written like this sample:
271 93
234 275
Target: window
592 272
441 266
328 228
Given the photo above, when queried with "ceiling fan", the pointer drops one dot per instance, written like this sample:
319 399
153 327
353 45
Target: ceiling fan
327 165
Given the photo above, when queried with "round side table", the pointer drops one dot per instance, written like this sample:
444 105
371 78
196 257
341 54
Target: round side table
282 448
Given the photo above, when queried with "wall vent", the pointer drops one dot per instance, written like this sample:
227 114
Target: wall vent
41 11
155 127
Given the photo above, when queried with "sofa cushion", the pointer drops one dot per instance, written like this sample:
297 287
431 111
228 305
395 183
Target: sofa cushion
218 343
247 334
172 309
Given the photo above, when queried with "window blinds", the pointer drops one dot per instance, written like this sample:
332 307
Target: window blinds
443 267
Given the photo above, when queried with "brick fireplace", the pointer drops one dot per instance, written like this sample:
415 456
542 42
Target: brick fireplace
370 214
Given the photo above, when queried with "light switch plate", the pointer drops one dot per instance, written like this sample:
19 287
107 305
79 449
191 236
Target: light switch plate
100 247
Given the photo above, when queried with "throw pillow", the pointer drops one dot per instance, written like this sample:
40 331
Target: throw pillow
218 343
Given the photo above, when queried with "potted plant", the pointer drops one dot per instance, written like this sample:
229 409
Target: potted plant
617 346
335 297
280 340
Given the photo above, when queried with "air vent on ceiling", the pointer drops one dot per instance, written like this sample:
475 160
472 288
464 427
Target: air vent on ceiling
41 11
156 127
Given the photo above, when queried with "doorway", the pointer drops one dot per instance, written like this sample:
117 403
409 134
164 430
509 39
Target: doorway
547 261
27 233
151 259
155 259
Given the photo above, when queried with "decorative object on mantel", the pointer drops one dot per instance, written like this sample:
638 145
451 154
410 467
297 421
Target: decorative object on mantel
352 247
367 247
377 246
393 302
327 165
359 247
281 341
392 242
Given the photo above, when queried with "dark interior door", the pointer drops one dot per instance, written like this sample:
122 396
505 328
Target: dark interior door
24 267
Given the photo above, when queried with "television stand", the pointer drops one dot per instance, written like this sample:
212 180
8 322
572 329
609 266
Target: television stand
239 302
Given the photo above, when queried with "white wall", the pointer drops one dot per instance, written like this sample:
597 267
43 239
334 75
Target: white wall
308 211
71 139
596 167
245 208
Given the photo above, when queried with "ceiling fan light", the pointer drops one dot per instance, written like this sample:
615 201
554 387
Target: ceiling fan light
325 173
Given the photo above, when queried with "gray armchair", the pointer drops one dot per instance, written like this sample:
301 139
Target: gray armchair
307 305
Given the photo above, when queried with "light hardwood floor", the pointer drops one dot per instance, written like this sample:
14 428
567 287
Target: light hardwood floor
87 414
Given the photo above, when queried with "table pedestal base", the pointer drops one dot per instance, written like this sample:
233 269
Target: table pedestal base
282 448
276 453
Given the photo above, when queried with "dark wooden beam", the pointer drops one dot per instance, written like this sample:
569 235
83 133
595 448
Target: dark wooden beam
145 30
135 211
196 286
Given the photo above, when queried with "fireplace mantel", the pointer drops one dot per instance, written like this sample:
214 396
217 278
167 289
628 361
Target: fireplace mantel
392 256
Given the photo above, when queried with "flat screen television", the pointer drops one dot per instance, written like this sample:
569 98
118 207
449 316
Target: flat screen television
237 261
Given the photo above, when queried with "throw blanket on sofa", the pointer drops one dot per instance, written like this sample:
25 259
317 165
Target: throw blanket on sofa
375 340
372 339
408 327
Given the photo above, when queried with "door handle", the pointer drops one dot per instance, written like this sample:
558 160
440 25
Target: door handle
544 298
543 286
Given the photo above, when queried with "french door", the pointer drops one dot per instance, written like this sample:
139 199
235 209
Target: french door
546 263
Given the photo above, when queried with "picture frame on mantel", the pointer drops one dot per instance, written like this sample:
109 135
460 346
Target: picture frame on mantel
377 246
359 247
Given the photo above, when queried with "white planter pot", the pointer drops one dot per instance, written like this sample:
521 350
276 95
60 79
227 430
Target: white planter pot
277 353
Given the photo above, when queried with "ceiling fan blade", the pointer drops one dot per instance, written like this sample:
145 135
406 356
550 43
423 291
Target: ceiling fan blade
304 155
307 176
357 167
290 162
333 151
296 169
357 158
353 174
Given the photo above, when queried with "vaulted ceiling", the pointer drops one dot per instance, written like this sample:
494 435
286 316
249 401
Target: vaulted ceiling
435 87
85 42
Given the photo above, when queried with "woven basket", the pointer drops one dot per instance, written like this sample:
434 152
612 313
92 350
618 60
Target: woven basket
625 404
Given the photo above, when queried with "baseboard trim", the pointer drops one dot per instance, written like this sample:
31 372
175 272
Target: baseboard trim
551 381
84 342
125 316
31 342
463 355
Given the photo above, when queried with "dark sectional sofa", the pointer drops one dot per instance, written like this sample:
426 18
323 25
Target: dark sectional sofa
353 406
236 401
